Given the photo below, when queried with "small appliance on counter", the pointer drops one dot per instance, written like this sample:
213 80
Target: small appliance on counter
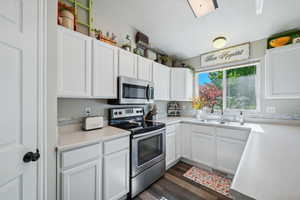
92 123
147 147
174 109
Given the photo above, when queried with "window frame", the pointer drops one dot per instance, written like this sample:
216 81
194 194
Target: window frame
224 82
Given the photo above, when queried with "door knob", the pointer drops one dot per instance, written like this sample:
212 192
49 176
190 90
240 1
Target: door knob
31 157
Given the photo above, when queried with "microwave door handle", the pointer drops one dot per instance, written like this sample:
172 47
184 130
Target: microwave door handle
148 92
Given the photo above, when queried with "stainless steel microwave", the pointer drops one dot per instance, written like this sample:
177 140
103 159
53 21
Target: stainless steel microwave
134 91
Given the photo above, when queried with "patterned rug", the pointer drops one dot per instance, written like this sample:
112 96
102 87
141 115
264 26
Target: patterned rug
210 180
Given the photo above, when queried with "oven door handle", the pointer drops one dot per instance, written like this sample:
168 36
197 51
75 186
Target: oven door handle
152 133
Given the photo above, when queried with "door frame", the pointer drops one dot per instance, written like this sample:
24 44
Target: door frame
42 99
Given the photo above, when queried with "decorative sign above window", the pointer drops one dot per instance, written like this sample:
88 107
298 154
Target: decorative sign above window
228 55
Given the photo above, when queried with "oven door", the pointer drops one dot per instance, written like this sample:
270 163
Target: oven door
133 91
147 149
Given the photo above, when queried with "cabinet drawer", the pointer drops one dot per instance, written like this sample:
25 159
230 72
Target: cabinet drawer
207 130
116 145
233 133
170 128
77 156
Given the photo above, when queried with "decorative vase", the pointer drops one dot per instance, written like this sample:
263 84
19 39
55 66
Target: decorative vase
201 114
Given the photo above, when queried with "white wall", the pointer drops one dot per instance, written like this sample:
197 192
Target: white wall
106 20
258 49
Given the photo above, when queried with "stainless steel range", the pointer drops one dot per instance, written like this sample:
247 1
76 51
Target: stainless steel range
148 146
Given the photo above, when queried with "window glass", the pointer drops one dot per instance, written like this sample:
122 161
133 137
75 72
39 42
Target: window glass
241 84
210 87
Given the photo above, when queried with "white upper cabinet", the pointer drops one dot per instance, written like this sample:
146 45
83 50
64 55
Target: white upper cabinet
144 68
104 70
74 64
282 72
161 79
127 64
181 84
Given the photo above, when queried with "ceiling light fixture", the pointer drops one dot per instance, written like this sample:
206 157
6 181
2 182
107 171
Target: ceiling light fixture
202 7
219 42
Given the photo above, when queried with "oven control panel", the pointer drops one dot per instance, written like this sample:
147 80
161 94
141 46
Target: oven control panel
126 112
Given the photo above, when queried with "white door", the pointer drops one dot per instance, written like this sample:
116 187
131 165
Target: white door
203 149
127 64
104 70
82 182
186 149
116 175
178 141
18 104
170 148
229 153
74 63
144 69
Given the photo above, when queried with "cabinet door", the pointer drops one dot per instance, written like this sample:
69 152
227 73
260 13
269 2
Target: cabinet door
170 148
203 149
178 85
116 175
144 69
186 149
178 141
82 182
181 84
161 79
127 64
229 153
282 72
74 64
105 70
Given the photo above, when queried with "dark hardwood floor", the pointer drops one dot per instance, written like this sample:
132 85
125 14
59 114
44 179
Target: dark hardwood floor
174 186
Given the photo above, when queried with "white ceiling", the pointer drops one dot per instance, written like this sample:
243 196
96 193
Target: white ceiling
171 25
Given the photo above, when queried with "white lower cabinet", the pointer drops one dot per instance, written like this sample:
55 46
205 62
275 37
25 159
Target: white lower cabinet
170 148
186 150
229 153
116 175
82 182
203 149
94 172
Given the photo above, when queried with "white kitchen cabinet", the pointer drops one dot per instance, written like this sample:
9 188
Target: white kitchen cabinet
104 70
282 72
170 148
74 63
144 68
186 149
127 64
229 153
178 141
203 149
181 84
161 79
116 175
82 182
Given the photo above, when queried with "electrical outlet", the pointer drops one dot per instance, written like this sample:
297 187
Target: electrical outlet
271 109
87 110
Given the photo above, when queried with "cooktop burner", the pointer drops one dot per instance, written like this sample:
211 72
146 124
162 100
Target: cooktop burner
140 127
132 119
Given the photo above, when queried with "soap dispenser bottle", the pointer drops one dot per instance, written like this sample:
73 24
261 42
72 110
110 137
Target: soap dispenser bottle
242 121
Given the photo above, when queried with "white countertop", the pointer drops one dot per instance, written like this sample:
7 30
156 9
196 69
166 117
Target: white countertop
270 165
71 136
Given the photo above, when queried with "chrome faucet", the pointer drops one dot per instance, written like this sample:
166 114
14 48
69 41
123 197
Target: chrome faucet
222 121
